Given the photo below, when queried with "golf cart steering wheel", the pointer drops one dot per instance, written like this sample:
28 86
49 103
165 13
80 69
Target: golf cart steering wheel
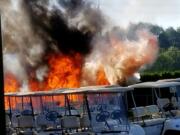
168 107
52 116
102 116
116 114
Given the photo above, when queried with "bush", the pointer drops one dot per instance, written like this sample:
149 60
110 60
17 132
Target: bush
154 76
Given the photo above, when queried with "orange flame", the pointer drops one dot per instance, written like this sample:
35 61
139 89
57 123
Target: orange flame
64 72
11 83
101 78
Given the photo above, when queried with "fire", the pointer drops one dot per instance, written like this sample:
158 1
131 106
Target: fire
121 59
109 63
34 85
11 83
101 78
64 72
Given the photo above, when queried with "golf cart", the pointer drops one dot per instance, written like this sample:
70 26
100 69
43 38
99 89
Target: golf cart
105 108
19 114
81 111
170 80
154 106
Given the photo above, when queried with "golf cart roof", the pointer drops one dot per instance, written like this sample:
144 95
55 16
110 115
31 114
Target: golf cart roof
155 85
90 89
99 89
169 80
10 93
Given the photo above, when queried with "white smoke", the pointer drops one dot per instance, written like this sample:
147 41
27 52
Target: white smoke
121 58
13 64
22 46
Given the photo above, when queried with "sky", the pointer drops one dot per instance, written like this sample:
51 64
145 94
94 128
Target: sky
165 13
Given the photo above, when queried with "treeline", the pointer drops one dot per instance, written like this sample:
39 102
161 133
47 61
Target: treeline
168 60
167 37
159 75
167 64
169 42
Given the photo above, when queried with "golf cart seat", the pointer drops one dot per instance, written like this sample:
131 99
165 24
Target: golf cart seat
70 122
26 125
84 121
8 122
174 102
153 111
177 105
26 122
9 129
42 122
14 120
139 112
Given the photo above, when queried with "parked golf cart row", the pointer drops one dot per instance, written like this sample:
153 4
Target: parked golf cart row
83 111
156 107
97 110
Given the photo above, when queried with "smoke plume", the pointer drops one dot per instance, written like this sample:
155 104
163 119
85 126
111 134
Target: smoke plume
76 33
121 58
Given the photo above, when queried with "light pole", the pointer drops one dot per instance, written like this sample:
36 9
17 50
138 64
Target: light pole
2 107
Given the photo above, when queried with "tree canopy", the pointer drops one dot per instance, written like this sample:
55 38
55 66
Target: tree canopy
169 43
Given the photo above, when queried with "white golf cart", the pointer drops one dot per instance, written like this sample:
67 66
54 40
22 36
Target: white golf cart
10 112
19 114
82 111
170 80
155 107
31 113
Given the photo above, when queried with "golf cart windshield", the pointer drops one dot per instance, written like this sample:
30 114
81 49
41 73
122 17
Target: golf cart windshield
108 112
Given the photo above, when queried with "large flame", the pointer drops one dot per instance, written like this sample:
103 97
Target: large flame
11 83
113 58
119 61
64 72
101 78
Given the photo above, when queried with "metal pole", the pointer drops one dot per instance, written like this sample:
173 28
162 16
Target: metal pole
2 107
68 104
87 106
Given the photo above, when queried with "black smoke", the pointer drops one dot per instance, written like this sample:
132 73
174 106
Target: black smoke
52 25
